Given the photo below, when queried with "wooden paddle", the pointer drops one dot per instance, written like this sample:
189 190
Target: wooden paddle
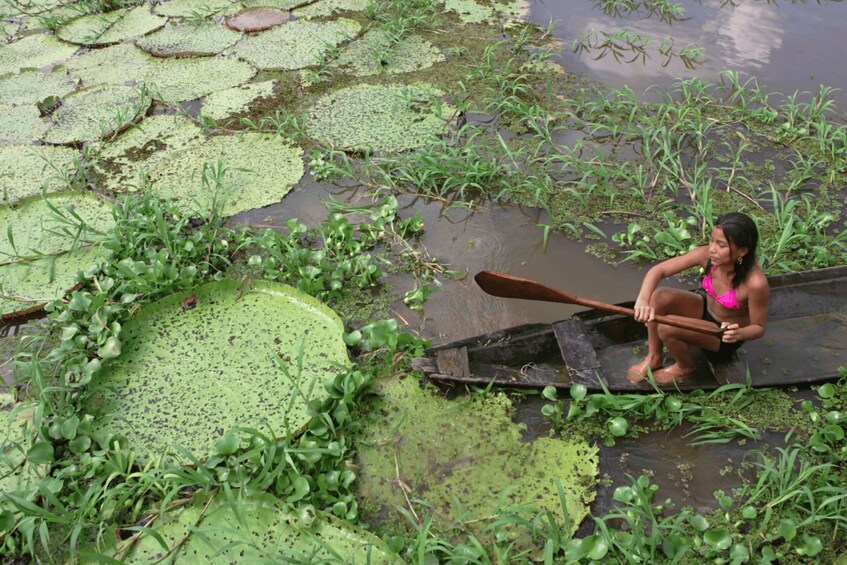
507 286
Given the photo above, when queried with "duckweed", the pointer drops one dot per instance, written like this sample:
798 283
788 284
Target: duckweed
27 170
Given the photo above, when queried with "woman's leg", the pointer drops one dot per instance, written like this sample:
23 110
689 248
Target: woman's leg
683 303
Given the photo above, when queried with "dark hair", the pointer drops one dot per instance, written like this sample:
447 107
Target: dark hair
740 230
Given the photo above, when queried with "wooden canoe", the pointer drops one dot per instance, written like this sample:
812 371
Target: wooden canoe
806 342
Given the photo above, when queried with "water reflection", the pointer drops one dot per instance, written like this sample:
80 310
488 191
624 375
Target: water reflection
790 45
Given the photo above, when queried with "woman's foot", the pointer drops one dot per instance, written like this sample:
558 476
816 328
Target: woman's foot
667 375
638 372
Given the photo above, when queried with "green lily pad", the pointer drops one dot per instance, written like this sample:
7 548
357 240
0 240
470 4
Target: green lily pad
17 476
187 374
270 533
111 27
30 87
324 8
467 450
33 52
41 261
471 11
225 103
20 125
189 39
296 44
191 8
29 170
122 159
373 54
96 112
259 169
383 118
175 80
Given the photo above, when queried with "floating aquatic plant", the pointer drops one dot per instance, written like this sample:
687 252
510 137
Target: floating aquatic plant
236 172
258 19
189 39
31 87
296 44
175 80
471 11
198 363
96 112
49 244
33 52
263 529
325 8
197 9
467 451
224 103
111 27
28 170
383 118
20 125
375 53
122 159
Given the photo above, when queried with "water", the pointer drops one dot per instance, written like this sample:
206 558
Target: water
788 46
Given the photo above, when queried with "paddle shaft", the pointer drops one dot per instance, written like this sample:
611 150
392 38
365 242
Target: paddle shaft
508 286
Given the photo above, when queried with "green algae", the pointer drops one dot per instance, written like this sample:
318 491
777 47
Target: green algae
110 27
186 375
382 118
225 103
31 87
258 170
374 54
469 450
296 44
265 531
121 161
33 52
94 113
29 170
187 39
41 261
324 8
20 125
175 80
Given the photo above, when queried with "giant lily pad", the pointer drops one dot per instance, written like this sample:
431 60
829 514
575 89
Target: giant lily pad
383 118
20 125
175 80
197 363
111 27
97 112
268 533
33 52
17 475
258 170
31 87
121 160
189 39
257 19
41 261
296 44
374 53
197 9
467 451
472 11
28 170
224 103
329 7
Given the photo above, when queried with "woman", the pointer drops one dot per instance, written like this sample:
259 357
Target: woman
734 296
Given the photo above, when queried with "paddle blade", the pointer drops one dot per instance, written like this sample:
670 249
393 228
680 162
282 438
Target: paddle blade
508 286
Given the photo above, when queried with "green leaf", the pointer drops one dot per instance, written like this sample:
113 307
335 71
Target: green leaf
40 453
811 546
110 349
69 427
301 489
80 444
719 539
618 426
578 392
675 545
826 391
787 529
739 553
749 512
227 445
595 547
699 523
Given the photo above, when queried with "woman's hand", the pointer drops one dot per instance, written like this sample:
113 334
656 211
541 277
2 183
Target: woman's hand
643 312
730 332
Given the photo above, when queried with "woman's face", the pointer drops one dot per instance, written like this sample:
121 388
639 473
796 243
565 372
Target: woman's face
722 251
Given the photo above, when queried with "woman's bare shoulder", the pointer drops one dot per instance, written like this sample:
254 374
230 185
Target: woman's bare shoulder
756 279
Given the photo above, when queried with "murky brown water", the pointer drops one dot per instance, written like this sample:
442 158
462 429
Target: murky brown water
787 44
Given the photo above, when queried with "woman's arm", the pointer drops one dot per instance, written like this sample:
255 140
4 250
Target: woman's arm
758 295
675 265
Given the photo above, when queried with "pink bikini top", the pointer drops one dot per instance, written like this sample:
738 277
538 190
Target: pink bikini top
727 299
